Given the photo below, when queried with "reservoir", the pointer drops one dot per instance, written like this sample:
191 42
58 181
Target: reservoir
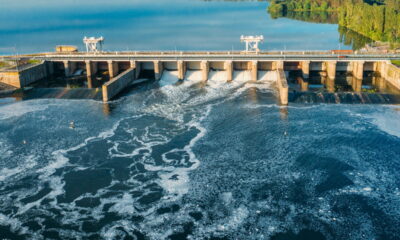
186 159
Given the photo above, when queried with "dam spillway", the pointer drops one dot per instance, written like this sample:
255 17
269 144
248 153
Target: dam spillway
124 68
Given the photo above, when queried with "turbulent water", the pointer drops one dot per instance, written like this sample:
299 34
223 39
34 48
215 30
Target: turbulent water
184 160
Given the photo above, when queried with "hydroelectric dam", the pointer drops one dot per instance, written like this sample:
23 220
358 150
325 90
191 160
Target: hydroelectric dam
126 68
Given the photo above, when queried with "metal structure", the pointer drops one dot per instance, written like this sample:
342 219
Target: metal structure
91 44
252 42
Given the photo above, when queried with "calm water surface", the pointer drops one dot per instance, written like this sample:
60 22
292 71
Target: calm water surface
154 25
188 160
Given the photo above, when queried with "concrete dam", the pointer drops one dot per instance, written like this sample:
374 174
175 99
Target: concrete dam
126 68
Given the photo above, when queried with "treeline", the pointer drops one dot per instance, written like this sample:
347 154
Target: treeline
376 19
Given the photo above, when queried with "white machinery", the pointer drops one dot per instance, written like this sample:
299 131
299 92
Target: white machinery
252 42
91 44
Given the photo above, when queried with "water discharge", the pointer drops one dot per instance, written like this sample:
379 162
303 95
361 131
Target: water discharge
188 160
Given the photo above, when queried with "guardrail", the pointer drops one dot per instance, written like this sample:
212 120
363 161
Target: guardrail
281 55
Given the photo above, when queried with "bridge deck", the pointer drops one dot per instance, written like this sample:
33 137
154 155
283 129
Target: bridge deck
212 56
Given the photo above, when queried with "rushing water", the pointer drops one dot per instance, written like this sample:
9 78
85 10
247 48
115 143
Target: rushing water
178 161
190 160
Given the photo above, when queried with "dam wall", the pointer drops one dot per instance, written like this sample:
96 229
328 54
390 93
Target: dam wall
26 75
390 73
117 84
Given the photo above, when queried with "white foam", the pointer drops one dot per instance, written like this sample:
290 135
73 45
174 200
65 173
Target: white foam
18 109
388 120
169 78
7 172
216 78
124 206
194 76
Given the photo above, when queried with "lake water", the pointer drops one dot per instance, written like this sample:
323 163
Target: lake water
155 25
191 160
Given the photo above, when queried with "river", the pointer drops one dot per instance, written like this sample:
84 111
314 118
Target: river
190 160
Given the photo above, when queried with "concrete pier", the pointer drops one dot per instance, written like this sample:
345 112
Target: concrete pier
229 70
282 87
112 68
331 69
91 68
305 69
278 65
330 84
254 70
158 69
181 70
69 67
358 69
303 82
205 69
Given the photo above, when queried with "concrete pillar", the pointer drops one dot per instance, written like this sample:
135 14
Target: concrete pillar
380 83
254 70
112 69
138 69
305 69
282 87
358 69
229 70
205 69
279 65
67 68
356 84
330 85
331 69
91 68
133 65
181 70
303 84
90 81
158 69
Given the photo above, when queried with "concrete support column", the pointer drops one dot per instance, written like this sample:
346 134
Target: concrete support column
331 69
89 81
356 84
305 69
67 68
112 69
133 65
254 70
158 69
205 69
91 68
181 70
330 85
282 87
279 65
138 69
303 84
229 70
358 69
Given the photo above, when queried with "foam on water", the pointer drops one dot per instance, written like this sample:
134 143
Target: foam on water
194 76
18 109
207 162
169 77
388 120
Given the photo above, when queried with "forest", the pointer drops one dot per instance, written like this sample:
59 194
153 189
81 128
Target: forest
378 20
